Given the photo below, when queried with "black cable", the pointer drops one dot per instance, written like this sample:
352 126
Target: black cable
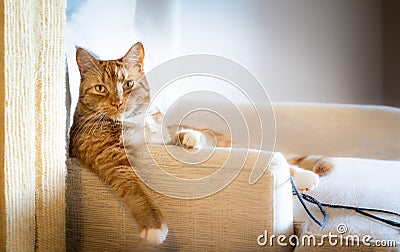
300 196
360 210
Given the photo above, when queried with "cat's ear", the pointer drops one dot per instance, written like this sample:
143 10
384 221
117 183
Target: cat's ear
86 61
135 55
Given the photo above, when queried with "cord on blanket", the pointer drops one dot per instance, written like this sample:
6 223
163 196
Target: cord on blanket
360 210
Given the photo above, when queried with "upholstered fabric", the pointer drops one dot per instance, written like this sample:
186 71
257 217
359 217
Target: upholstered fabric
231 219
366 183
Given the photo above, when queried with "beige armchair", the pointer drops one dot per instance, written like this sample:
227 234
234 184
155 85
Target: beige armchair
238 216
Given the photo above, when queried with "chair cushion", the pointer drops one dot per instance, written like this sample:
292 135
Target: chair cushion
359 182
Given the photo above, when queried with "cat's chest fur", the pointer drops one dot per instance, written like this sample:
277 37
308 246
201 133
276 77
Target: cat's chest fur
145 128
90 138
133 130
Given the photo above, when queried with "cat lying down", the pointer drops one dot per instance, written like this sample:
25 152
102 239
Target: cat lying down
96 134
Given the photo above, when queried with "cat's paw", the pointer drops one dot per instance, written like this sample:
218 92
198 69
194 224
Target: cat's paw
305 179
191 139
155 236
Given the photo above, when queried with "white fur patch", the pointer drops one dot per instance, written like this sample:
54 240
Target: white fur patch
155 236
192 139
305 179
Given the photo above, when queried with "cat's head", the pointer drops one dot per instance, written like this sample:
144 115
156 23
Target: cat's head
106 85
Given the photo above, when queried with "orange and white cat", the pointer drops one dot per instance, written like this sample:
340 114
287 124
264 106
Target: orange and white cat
103 111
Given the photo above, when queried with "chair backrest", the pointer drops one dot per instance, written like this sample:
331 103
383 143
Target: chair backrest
303 128
339 130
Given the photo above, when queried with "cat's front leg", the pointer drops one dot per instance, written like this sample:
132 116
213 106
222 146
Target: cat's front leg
131 190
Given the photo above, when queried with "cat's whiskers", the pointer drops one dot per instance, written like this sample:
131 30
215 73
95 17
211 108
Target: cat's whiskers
87 129
81 130
80 126
97 118
101 122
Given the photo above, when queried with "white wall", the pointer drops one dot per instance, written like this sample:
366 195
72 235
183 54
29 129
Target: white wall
301 51
325 51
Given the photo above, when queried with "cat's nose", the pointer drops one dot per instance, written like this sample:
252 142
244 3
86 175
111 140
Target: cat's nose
117 104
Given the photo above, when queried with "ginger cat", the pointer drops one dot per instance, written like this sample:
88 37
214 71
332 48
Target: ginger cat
96 134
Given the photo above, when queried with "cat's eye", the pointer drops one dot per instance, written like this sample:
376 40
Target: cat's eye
100 88
129 84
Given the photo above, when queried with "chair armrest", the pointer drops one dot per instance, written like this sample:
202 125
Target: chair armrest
232 218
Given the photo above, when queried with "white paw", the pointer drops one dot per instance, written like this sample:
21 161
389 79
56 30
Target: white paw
155 236
305 179
192 139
